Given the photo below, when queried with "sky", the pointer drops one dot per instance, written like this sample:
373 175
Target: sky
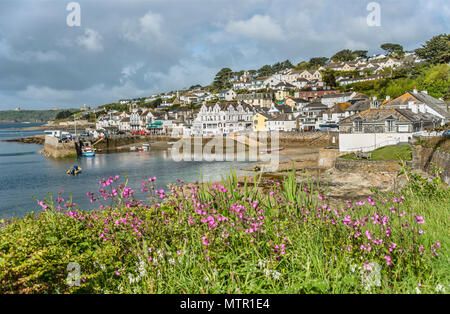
135 48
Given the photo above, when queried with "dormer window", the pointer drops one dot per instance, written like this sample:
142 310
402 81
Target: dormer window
358 126
390 126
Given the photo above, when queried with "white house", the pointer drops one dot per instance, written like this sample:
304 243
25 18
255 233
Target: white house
227 95
223 118
282 122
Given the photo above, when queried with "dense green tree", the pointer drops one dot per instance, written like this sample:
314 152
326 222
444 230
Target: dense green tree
360 53
391 48
195 86
304 65
222 78
436 50
265 70
318 61
63 114
329 77
343 55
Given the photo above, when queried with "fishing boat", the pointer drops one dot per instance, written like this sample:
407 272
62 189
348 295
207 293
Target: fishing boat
74 170
87 152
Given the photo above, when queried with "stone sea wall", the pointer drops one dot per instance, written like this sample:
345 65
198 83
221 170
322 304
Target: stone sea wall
53 149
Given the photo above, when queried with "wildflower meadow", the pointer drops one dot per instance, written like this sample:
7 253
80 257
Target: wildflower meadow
230 237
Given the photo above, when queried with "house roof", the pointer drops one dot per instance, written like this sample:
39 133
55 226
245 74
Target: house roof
374 115
284 108
360 105
282 117
339 107
438 105
316 106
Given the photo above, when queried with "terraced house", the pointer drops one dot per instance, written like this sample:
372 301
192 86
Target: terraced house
223 118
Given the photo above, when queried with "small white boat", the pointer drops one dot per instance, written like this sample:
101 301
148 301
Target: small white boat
133 148
146 147
88 152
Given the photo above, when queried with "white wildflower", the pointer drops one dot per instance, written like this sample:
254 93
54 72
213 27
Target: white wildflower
440 288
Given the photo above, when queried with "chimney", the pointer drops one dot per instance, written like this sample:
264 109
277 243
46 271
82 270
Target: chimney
374 103
425 92
388 98
415 90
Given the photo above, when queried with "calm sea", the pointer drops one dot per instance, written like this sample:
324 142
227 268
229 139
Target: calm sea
25 173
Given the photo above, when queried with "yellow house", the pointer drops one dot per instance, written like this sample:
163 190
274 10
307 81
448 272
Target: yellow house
281 94
259 122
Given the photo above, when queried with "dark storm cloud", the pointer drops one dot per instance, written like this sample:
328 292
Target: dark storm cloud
136 48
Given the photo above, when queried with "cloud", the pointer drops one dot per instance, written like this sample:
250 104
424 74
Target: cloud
91 40
147 28
137 48
258 27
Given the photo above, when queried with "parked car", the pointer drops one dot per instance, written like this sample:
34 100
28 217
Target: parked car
121 132
446 133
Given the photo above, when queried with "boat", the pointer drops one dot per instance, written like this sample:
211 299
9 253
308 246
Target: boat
146 147
74 170
133 148
87 152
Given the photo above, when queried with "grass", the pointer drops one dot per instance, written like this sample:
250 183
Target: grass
229 237
386 153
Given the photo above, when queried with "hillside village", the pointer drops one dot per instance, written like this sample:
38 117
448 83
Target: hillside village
290 100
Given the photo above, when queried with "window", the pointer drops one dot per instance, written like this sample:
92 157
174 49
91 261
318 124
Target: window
390 127
358 126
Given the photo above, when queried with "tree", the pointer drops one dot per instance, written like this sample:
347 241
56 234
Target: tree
318 61
265 70
63 115
195 86
329 78
304 65
222 78
391 48
436 50
343 55
287 65
360 53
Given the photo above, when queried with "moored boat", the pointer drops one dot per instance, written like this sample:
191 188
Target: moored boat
74 170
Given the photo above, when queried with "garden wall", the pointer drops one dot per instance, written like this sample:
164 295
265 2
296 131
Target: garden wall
366 165
424 156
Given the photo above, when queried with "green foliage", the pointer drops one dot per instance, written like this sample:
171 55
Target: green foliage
421 187
402 152
222 78
433 78
180 246
329 77
391 48
63 114
436 50
31 115
343 55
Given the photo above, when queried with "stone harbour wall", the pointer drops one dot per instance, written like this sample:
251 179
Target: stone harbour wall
53 149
